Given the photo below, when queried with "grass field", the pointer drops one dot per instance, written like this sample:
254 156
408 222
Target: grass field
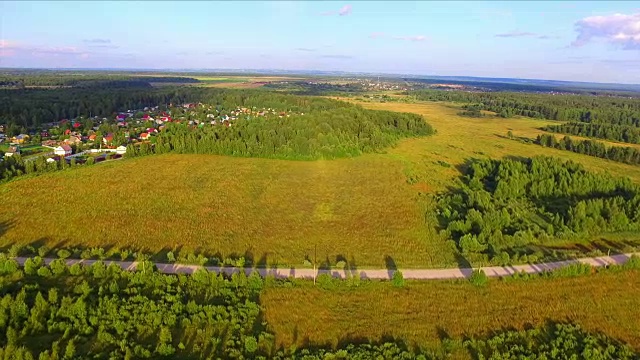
273 208
360 209
423 313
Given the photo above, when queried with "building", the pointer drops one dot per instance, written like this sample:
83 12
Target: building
62 150
73 139
107 139
12 150
20 139
121 150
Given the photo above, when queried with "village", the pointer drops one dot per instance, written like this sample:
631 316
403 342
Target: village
101 138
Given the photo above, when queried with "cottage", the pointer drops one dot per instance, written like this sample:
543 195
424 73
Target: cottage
20 139
62 150
107 139
121 150
145 136
92 137
73 139
12 150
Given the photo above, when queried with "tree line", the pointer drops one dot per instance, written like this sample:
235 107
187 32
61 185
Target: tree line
621 133
328 134
31 108
623 154
501 207
577 108
84 80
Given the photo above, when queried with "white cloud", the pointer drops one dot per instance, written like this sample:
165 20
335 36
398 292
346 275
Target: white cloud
345 10
411 38
515 34
97 41
619 29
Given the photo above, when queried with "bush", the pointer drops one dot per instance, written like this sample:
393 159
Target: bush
479 278
250 344
397 279
63 254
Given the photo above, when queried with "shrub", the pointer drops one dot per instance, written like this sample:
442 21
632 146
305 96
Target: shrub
63 253
250 344
397 279
479 278
43 251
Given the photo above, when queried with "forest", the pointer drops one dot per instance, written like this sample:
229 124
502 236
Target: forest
621 133
30 108
619 111
327 134
58 311
94 79
499 208
623 154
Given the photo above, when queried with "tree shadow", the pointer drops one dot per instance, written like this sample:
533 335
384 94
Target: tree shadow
390 264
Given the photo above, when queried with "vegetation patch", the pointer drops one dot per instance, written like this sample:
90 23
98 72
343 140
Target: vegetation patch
503 206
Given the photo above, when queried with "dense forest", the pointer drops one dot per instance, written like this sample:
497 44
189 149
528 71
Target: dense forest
624 154
30 108
85 80
315 88
589 109
327 134
621 133
58 311
501 207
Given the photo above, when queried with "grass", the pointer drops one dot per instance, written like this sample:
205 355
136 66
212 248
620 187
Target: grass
360 209
265 208
423 313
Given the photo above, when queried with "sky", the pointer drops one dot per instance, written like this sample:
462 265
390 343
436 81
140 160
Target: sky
593 41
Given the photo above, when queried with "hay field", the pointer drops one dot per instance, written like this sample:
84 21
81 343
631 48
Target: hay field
360 209
423 313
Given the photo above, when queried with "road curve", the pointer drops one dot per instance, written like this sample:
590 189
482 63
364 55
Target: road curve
382 274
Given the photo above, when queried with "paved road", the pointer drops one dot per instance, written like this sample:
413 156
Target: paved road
419 274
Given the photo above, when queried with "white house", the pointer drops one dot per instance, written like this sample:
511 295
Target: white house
62 150
121 149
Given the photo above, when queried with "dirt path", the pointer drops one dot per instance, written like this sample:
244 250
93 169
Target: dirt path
418 274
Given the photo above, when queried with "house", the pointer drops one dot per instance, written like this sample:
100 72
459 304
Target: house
107 139
12 150
92 137
145 136
62 150
121 150
20 139
67 132
73 139
44 134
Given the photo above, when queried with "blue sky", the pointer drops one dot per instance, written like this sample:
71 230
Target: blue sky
582 41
